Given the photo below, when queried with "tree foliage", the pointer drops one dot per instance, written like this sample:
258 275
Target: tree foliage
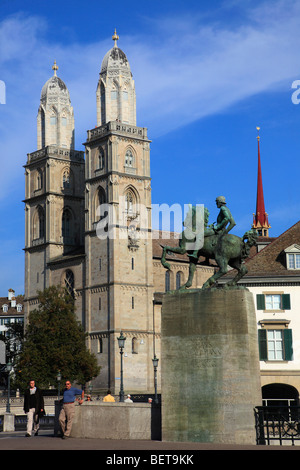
54 341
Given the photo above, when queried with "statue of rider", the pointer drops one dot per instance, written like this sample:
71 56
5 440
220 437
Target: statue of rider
224 218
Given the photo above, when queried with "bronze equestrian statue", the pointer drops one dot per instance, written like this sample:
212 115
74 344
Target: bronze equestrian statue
226 249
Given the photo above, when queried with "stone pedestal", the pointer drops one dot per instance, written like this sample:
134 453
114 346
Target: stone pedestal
210 366
8 422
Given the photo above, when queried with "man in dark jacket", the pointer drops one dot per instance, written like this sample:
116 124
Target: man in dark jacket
33 407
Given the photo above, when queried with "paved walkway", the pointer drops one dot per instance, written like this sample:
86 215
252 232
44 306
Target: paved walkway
47 441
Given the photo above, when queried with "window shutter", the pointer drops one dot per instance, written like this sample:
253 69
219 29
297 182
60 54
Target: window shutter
262 345
288 344
286 302
260 301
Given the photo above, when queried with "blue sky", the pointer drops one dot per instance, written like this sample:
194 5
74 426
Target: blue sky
206 74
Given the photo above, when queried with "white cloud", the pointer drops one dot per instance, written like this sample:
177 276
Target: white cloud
191 67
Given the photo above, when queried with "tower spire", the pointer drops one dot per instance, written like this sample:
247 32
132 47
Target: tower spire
55 67
260 218
115 38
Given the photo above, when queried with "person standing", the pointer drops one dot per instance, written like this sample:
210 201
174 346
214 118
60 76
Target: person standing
33 407
108 398
67 412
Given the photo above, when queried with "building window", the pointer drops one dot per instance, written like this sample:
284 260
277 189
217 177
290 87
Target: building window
99 303
53 120
132 302
129 202
64 121
19 308
178 279
100 346
273 301
293 257
167 281
69 282
39 179
129 158
294 261
66 179
5 308
100 200
275 344
66 227
101 159
132 263
134 346
113 94
41 223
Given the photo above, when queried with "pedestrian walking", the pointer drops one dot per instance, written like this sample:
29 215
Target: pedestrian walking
33 407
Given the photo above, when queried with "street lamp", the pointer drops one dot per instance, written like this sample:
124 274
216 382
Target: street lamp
121 341
8 369
155 364
58 378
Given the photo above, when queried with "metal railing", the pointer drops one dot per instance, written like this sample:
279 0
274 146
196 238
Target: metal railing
277 424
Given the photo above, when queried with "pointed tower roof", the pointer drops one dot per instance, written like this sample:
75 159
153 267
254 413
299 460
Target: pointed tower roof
55 87
260 219
115 58
116 99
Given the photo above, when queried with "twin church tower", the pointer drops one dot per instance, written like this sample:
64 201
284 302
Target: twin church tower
116 281
111 279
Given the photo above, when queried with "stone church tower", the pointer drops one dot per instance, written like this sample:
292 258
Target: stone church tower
119 279
54 193
109 273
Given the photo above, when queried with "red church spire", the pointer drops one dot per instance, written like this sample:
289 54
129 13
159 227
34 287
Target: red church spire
260 219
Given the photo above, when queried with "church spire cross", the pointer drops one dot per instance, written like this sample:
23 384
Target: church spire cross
115 38
55 67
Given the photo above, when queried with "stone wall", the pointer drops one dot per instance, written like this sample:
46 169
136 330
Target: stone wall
112 421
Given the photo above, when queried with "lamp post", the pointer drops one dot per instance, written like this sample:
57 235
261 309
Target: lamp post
58 378
121 342
8 369
155 364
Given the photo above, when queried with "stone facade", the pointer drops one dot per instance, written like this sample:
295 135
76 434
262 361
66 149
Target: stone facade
115 279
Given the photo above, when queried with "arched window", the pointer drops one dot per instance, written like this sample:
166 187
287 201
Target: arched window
101 161
66 179
39 179
100 198
134 346
43 140
69 282
178 279
129 160
129 202
167 281
39 224
66 225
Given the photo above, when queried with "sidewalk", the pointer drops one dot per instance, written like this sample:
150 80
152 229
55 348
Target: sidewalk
47 441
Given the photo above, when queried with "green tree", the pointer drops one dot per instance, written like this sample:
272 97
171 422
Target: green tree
54 341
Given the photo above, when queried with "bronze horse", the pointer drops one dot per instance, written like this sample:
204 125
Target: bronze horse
226 249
